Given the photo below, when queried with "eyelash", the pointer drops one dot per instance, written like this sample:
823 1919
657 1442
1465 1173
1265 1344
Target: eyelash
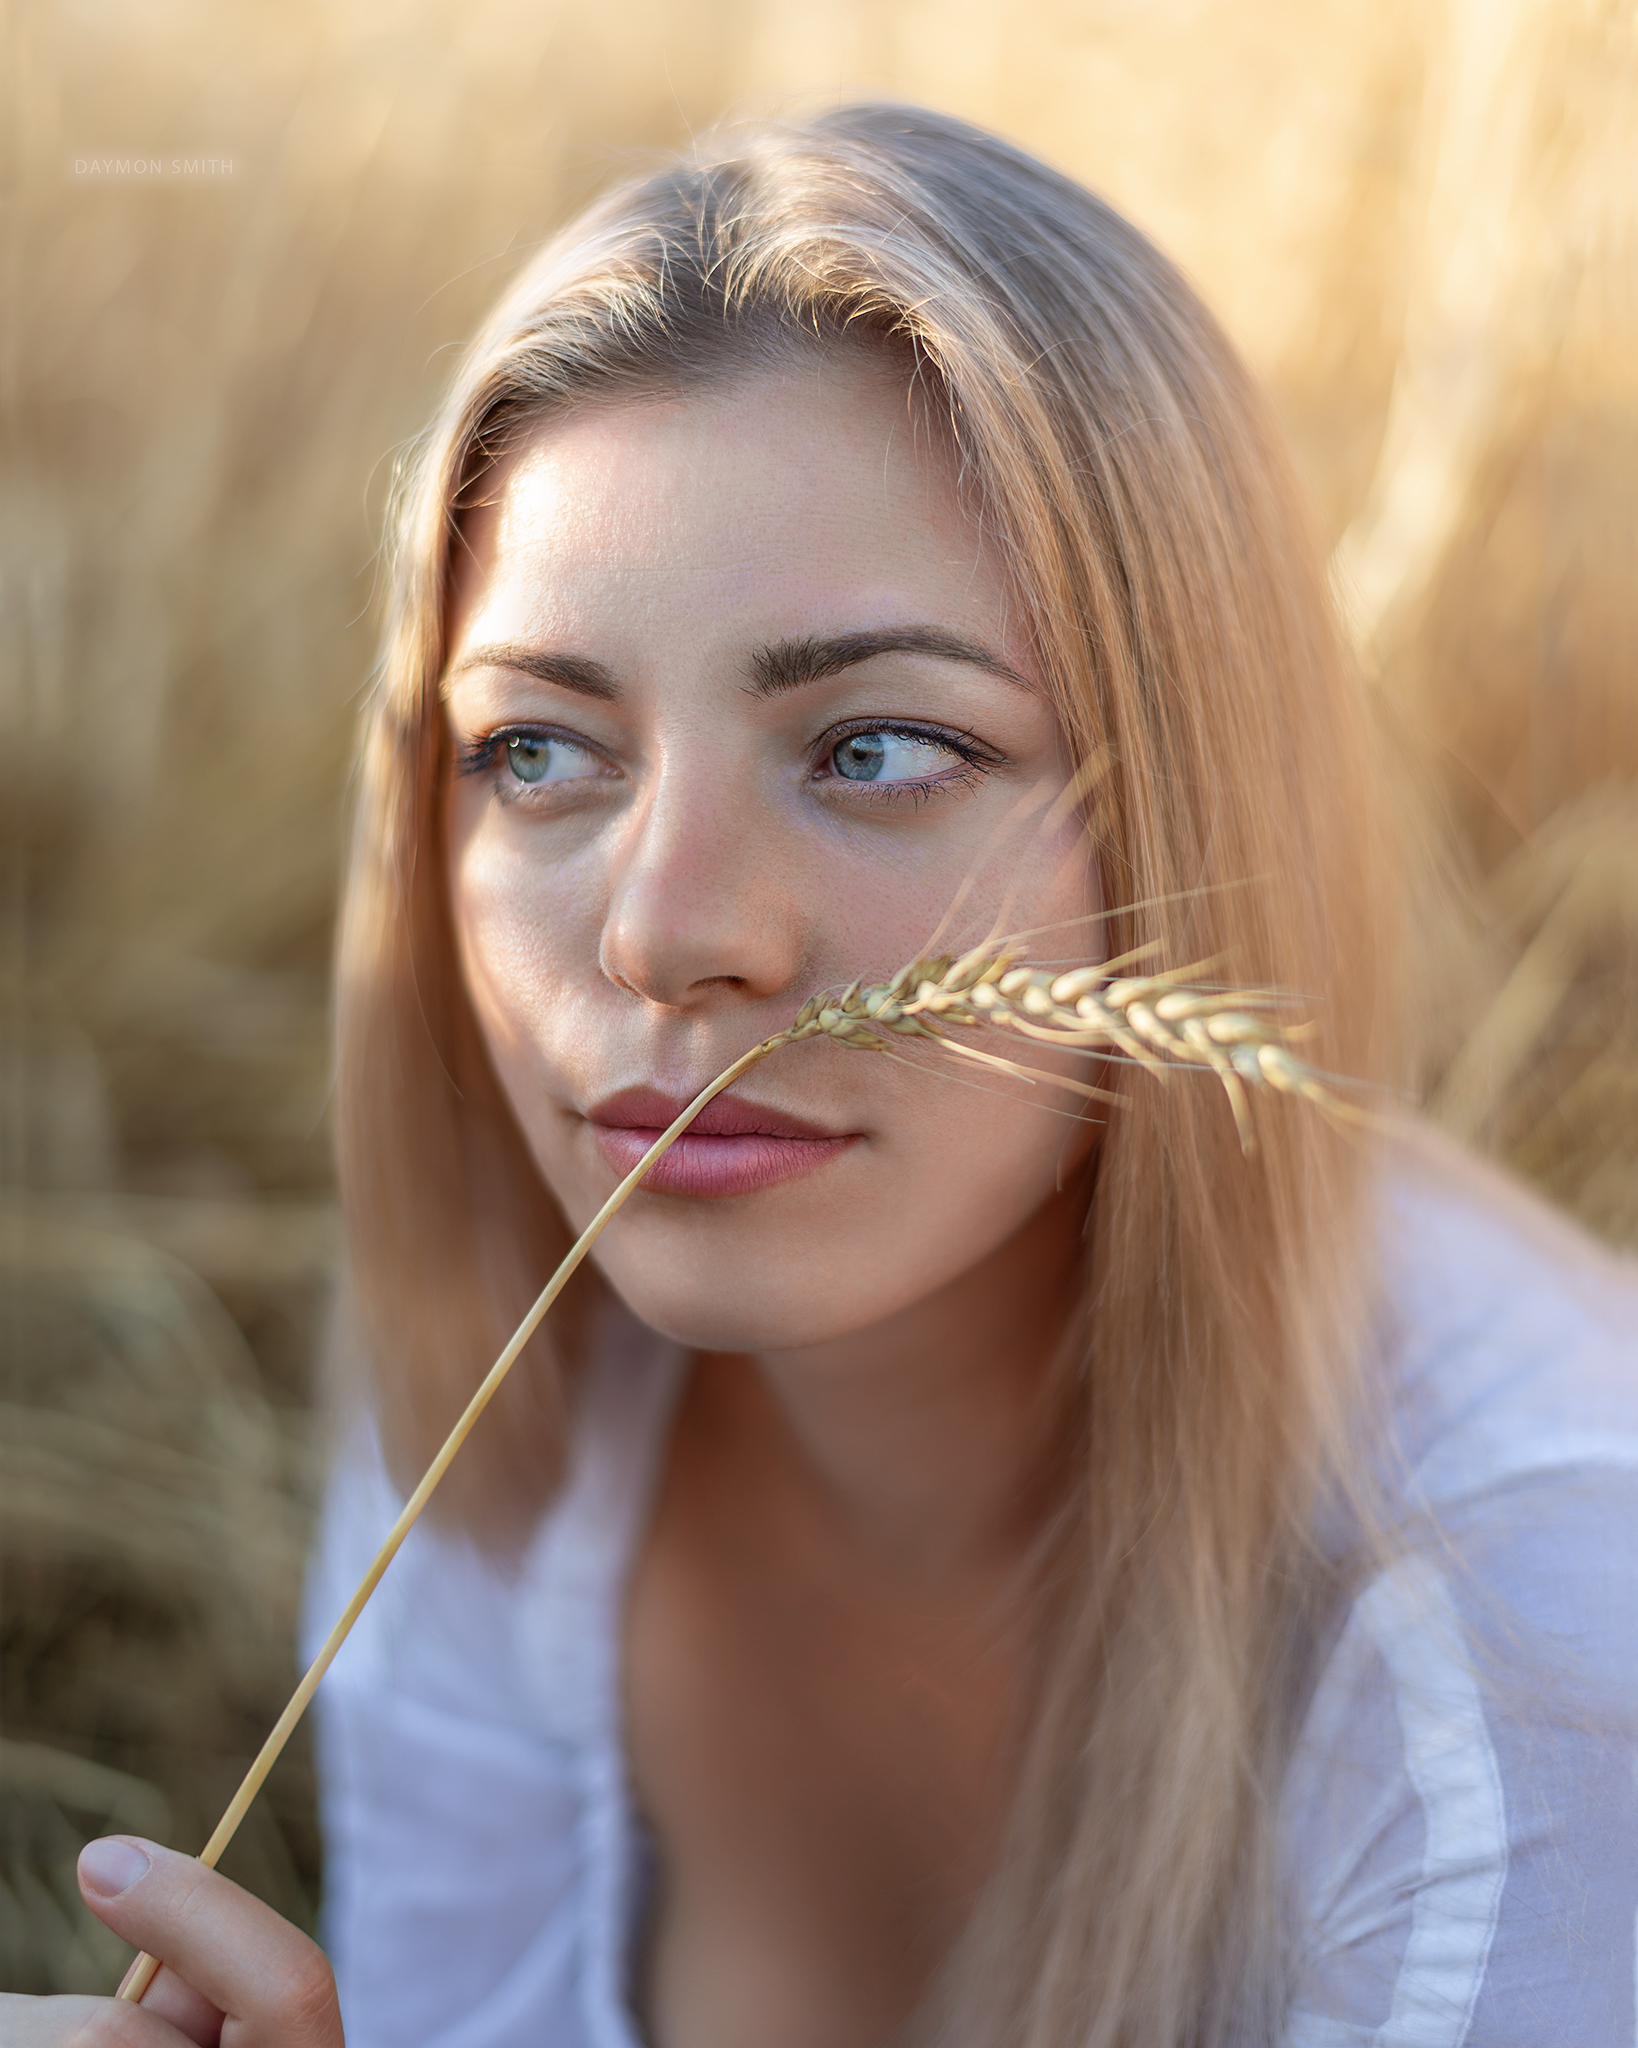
977 760
482 756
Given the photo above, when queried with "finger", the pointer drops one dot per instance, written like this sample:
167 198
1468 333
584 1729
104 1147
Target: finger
107 1869
173 1998
83 2023
270 1981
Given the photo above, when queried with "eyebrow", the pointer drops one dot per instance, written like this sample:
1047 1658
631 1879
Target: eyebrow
789 664
569 671
780 666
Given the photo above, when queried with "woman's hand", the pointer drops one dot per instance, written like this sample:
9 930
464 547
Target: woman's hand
235 1976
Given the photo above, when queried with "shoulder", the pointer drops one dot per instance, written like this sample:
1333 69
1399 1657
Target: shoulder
1512 1475
1511 1336
462 1628
1462 1810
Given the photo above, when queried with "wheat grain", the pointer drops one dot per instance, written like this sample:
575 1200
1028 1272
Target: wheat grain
1153 1020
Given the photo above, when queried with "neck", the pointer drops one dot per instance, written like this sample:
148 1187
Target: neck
931 1440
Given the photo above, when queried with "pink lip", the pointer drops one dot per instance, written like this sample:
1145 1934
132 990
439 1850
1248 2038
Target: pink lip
731 1148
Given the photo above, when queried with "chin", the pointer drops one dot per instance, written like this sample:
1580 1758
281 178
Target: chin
701 1320
725 1307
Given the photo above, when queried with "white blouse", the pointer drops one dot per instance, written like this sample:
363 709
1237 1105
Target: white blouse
1461 1842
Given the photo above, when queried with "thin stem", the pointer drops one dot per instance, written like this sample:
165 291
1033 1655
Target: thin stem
142 1972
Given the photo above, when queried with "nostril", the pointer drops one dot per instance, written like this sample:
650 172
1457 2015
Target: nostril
676 947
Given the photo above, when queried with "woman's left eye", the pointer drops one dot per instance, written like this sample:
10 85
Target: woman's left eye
892 757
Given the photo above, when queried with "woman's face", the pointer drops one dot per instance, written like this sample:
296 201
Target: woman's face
739 708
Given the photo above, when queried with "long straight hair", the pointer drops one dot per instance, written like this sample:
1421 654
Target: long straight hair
1121 458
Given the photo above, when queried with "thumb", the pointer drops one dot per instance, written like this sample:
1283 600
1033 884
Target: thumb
227 1954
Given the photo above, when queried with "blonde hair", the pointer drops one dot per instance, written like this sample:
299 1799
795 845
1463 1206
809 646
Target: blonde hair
1123 460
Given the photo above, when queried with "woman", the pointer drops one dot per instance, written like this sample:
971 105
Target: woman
967 1566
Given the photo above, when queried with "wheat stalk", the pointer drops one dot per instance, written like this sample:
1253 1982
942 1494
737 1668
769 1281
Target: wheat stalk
1154 1020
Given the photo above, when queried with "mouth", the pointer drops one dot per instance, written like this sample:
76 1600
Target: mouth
731 1148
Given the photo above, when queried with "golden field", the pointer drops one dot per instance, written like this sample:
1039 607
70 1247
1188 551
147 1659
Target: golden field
1419 221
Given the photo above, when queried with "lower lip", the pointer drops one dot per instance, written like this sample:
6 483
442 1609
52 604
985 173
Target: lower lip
698 1165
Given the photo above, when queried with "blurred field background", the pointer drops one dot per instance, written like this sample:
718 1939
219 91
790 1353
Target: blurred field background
1420 221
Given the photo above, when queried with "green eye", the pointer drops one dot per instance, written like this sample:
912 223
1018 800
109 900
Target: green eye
530 759
533 758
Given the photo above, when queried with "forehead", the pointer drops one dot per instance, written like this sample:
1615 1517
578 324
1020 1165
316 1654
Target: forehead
778 501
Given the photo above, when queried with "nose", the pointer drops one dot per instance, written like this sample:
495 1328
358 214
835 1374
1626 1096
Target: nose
704 901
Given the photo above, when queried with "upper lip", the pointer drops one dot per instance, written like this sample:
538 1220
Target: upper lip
646 1109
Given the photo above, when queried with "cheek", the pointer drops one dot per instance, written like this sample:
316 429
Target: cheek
517 934
526 974
499 964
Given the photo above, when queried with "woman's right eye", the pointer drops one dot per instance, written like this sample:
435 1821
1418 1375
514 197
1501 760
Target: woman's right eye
517 759
534 758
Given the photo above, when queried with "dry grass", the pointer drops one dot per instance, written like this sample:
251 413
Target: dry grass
153 1518
1419 222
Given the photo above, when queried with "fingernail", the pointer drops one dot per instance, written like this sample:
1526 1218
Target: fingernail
111 1866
